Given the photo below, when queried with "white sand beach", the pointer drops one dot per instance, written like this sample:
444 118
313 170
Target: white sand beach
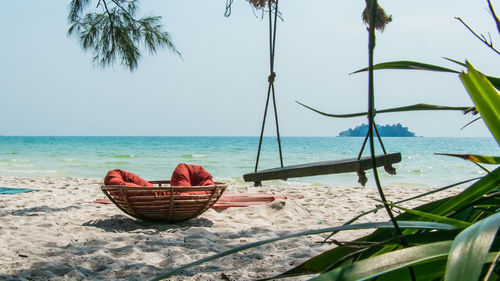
56 233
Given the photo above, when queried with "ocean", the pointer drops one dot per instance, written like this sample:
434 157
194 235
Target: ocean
228 158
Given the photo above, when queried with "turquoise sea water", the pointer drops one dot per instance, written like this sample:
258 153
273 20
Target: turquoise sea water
228 158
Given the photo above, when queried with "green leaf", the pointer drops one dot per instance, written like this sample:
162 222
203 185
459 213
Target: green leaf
378 265
429 270
471 194
390 225
323 261
415 107
457 62
409 65
486 98
458 202
495 81
475 158
433 217
412 65
470 250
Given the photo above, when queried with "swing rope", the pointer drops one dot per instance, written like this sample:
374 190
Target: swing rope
366 139
358 165
270 79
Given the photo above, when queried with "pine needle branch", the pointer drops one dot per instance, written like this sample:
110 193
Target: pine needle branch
111 32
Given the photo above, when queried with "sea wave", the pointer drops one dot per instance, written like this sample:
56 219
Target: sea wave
417 172
117 163
23 165
20 172
193 156
125 156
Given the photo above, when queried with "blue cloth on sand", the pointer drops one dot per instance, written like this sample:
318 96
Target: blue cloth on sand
11 190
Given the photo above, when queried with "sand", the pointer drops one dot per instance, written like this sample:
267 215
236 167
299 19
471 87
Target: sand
57 233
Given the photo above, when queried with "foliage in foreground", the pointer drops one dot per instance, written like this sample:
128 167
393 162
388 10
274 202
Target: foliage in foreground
469 254
461 246
447 236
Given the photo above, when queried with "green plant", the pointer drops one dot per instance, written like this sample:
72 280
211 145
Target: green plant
485 97
482 89
472 253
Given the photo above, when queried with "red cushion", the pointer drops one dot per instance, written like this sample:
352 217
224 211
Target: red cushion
121 177
191 175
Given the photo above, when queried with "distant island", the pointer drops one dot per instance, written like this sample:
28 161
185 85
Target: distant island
396 130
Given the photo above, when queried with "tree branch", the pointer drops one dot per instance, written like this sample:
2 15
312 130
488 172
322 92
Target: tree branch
125 11
107 12
497 20
480 37
113 31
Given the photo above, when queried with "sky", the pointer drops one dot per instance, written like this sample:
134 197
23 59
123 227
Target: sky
49 86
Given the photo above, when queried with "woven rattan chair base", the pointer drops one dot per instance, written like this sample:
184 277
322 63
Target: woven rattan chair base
164 202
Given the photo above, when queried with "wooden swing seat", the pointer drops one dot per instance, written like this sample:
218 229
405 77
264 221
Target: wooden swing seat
322 168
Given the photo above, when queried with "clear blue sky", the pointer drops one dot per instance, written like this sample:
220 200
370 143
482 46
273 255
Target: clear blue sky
49 86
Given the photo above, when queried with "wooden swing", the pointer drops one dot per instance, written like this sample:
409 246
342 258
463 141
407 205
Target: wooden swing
357 165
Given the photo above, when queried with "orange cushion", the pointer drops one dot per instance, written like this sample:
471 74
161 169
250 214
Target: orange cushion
121 177
190 175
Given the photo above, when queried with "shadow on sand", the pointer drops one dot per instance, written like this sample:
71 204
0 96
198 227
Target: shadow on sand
122 223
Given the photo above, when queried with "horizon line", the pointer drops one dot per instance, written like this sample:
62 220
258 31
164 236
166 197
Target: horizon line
235 136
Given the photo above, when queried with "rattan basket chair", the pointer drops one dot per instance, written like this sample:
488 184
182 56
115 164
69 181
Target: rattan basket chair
164 202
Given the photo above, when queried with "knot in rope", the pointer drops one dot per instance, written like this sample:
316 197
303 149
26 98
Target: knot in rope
229 4
271 77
